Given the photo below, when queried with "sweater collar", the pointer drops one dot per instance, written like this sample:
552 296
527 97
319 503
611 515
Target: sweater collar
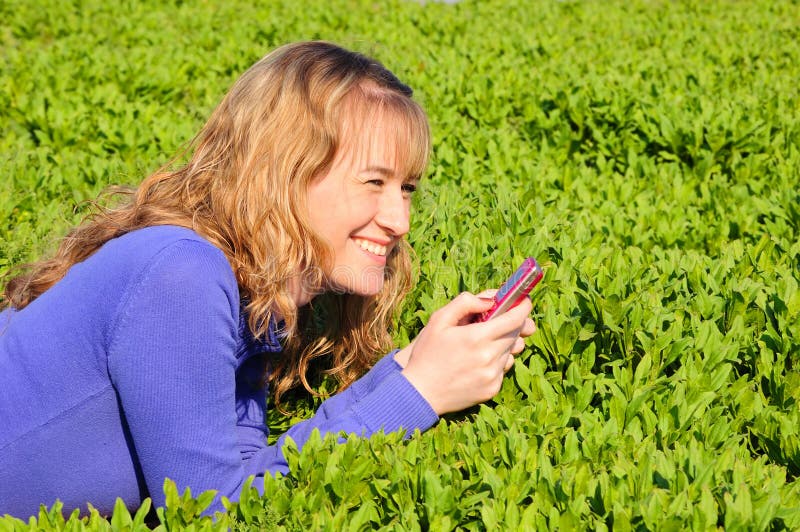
250 345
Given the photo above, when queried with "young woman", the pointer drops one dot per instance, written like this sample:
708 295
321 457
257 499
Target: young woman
143 348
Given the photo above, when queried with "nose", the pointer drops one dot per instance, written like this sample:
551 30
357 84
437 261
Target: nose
394 211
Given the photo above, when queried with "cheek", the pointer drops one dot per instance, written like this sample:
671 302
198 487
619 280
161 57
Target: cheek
331 217
357 212
317 209
338 223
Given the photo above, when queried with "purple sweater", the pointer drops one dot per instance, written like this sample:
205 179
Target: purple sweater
138 366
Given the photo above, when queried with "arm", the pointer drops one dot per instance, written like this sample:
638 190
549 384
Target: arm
172 360
381 399
343 400
473 357
251 411
393 404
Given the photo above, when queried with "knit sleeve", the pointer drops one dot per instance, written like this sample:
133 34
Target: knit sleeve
340 402
171 359
390 405
394 404
383 399
251 409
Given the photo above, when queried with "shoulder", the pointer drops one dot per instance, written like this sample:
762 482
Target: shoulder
176 276
155 238
181 247
170 258
181 250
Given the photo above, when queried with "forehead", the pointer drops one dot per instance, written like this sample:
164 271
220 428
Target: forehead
371 144
383 135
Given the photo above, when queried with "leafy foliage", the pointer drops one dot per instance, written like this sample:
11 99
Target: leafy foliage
645 152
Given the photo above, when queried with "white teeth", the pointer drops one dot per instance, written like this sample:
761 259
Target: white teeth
372 247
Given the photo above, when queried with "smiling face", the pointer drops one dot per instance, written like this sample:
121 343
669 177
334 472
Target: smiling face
361 207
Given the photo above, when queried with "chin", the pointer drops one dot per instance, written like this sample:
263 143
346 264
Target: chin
364 291
363 282
371 292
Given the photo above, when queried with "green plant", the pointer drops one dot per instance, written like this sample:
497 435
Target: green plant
644 152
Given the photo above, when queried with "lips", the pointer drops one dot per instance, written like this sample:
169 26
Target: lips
372 247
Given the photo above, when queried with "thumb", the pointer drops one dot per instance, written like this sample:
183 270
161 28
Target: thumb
462 307
489 293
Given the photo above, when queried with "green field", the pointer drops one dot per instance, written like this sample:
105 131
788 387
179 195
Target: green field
647 153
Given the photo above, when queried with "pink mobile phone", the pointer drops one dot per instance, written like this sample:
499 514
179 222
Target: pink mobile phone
517 287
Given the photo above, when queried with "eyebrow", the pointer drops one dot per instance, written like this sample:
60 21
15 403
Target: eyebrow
387 172
379 170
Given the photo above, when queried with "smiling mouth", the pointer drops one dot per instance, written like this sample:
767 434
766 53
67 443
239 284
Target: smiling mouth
372 247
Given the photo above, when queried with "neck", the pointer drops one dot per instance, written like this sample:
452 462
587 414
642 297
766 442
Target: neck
298 293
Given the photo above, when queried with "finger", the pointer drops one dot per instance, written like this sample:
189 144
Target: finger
487 294
461 307
501 348
511 321
509 363
519 346
512 342
528 328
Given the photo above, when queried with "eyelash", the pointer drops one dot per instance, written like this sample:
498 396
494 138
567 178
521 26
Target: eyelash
408 188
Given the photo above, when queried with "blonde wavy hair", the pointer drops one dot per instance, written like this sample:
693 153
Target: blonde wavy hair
244 189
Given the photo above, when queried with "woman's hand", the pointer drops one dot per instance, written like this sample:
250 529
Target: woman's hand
455 363
402 356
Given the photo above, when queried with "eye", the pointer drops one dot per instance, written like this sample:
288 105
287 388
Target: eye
375 182
409 188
